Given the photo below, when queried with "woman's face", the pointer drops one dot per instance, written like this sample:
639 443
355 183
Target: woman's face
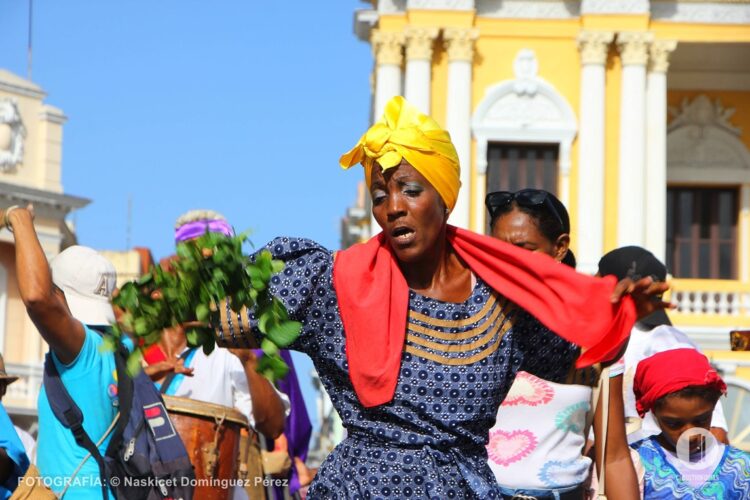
520 229
677 415
409 210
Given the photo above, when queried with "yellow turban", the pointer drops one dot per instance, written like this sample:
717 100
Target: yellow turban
405 133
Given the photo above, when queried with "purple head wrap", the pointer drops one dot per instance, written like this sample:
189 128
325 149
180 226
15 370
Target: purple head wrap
198 228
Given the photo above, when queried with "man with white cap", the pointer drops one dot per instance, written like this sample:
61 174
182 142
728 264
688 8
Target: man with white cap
67 300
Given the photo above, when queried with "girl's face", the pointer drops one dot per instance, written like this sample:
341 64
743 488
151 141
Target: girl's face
677 415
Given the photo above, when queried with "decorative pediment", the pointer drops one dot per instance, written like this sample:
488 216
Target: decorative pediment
703 146
12 135
526 103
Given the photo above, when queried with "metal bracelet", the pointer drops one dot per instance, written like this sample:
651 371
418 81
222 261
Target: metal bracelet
6 221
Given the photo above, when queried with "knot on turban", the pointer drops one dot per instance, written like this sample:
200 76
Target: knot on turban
406 133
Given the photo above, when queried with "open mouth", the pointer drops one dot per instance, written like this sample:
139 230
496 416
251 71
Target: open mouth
402 234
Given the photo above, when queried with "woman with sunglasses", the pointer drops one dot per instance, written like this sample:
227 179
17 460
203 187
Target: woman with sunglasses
418 333
538 441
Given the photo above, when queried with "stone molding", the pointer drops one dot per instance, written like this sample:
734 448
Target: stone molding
615 7
529 9
716 12
440 4
459 42
634 47
659 53
387 47
594 46
419 42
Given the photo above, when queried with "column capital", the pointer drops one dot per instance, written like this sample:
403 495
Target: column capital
634 47
387 46
459 42
419 42
660 51
594 46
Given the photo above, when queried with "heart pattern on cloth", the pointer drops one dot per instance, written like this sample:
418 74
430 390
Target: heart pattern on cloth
572 418
556 474
529 390
505 448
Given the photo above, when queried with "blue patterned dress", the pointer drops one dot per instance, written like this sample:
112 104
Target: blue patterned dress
459 362
729 481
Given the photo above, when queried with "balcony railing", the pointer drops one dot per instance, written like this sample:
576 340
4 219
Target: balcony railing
725 303
22 394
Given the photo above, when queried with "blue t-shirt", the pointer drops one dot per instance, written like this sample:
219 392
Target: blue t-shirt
14 449
91 380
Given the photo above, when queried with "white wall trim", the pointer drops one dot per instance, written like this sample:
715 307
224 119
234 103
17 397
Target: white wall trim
700 12
529 9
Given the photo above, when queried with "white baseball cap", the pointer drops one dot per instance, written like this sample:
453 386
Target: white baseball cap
87 279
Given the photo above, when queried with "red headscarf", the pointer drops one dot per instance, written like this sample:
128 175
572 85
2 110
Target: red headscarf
373 299
669 371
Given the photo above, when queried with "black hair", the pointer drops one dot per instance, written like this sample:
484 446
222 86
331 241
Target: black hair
707 393
547 223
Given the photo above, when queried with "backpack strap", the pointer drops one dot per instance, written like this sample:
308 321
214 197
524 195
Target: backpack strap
70 415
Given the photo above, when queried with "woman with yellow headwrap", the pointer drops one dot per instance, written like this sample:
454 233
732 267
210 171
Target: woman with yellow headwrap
418 333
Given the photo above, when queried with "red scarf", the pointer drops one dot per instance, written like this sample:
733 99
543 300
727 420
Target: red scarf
373 299
669 371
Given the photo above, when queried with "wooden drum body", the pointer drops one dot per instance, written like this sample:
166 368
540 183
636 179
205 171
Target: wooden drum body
211 434
740 340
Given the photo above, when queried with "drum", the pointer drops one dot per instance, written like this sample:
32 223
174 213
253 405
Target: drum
211 434
740 340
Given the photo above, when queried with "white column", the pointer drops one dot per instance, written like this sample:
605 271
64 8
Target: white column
656 148
743 227
388 49
419 42
459 43
594 46
632 167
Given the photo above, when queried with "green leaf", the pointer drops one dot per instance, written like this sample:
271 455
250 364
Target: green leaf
269 347
202 312
140 325
134 363
283 334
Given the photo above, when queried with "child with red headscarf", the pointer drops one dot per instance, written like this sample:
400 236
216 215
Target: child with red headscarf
685 461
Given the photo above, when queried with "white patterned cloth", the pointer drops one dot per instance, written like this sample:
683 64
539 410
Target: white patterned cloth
537 440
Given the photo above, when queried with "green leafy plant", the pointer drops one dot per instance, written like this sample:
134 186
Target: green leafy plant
206 274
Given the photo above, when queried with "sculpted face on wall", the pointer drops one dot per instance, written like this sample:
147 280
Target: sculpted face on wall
12 135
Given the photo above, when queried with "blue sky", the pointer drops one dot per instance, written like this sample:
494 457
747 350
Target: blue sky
239 106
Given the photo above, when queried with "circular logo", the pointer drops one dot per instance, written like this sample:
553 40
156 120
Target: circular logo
697 448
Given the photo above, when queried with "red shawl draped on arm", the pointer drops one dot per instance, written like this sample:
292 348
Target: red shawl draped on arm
373 299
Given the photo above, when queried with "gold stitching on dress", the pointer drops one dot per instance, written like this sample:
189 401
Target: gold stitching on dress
463 335
462 361
448 323
456 347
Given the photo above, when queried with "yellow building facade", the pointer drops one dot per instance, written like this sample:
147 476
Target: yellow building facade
636 113
30 172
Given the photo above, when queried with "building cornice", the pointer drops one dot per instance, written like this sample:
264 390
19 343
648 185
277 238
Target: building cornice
14 194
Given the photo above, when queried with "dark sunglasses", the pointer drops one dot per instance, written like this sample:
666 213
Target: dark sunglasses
530 198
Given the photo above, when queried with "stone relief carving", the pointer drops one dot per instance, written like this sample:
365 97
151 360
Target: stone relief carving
529 9
701 137
12 135
441 4
701 113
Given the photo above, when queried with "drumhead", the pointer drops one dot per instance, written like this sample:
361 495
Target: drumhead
188 406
